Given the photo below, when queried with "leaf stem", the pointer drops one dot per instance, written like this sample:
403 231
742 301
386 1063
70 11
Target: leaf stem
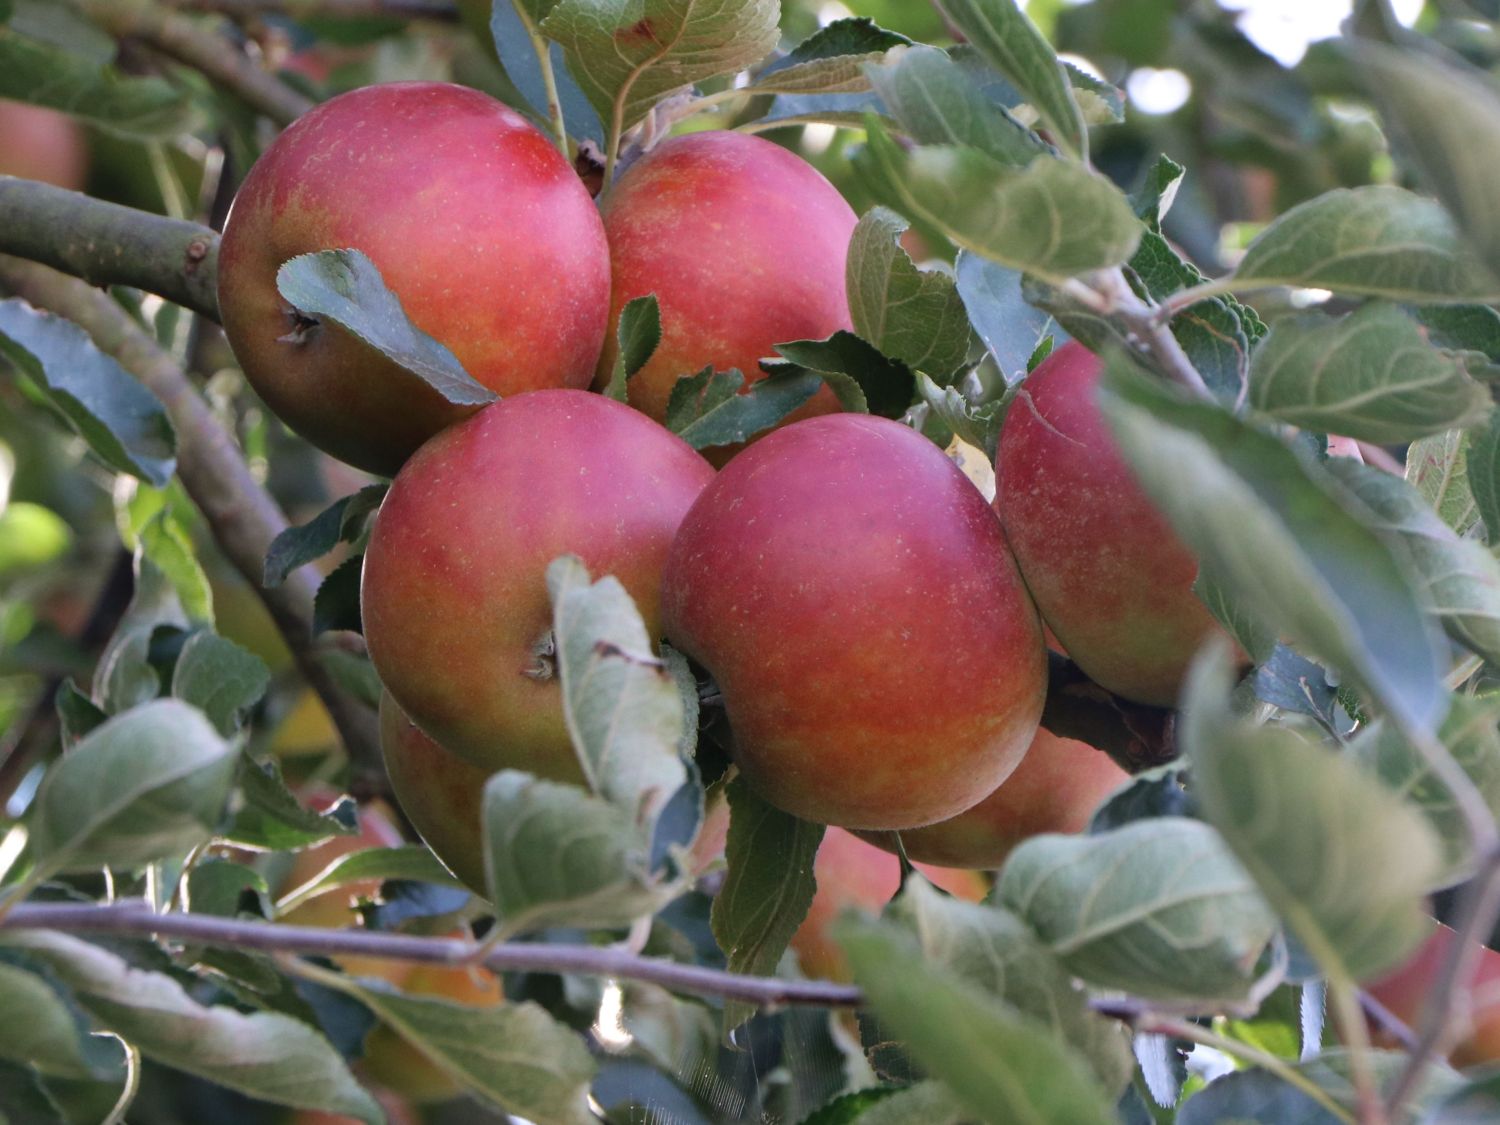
1174 303
131 1088
549 77
135 917
1343 997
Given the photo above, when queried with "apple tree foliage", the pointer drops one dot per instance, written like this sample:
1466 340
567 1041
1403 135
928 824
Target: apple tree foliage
1313 249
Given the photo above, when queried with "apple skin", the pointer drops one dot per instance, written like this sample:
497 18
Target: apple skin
42 144
476 223
1405 992
744 245
440 793
881 664
454 593
852 874
1108 573
1056 788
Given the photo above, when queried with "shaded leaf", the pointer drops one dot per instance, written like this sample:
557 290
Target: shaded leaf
45 1027
273 819
1010 326
977 425
1481 472
410 862
340 522
708 408
864 379
336 604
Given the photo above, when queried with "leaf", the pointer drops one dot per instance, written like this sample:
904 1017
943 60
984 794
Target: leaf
1159 908
1475 1103
935 103
864 379
557 855
1458 579
977 425
1292 682
1011 43
1370 375
994 951
708 408
42 73
345 287
165 542
1051 218
219 886
23 1098
912 315
767 889
1373 241
340 522
1471 736
1339 855
1156 792
1010 327
1157 190
639 335
1005 1067
77 714
125 425
219 678
519 58
273 819
1438 468
265 1055
930 1102
150 783
1266 526
336 604
46 1029
410 863
125 676
1249 1096
628 54
1482 474
829 61
1465 328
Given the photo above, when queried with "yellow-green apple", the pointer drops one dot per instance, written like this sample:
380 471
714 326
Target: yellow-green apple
1056 788
1108 573
742 242
440 793
42 144
454 596
853 874
881 664
476 223
1406 991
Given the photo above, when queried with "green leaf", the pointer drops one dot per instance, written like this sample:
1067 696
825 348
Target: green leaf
1247 1097
639 335
340 522
410 862
125 676
621 704
995 952
149 784
1266 525
865 380
907 313
1481 473
1458 579
272 819
1446 121
46 1029
1465 328
77 714
829 61
930 1102
134 108
1438 468
1005 1067
629 54
217 886
336 604
517 55
513 1055
1157 190
24 1100
762 902
345 287
125 425
1010 326
1372 241
265 1055
1343 859
936 104
1371 375
977 425
167 544
558 855
31 536
1470 733
219 678
1052 218
1011 43
1159 908
708 408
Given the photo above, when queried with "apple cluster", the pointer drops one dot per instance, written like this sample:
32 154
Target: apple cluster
874 624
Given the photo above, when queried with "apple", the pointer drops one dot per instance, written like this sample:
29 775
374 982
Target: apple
476 223
439 792
1405 992
850 591
1108 573
454 595
744 245
42 144
335 908
1056 788
854 874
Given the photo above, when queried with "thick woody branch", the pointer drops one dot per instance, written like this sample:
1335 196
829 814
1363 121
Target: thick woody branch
444 10
242 515
182 38
107 244
136 918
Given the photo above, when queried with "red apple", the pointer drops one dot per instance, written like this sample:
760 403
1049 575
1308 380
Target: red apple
1109 575
439 792
744 245
42 144
456 612
475 221
1056 788
853 874
1406 990
850 591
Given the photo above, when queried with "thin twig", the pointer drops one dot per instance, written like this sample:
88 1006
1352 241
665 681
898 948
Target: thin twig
444 10
135 917
1111 296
